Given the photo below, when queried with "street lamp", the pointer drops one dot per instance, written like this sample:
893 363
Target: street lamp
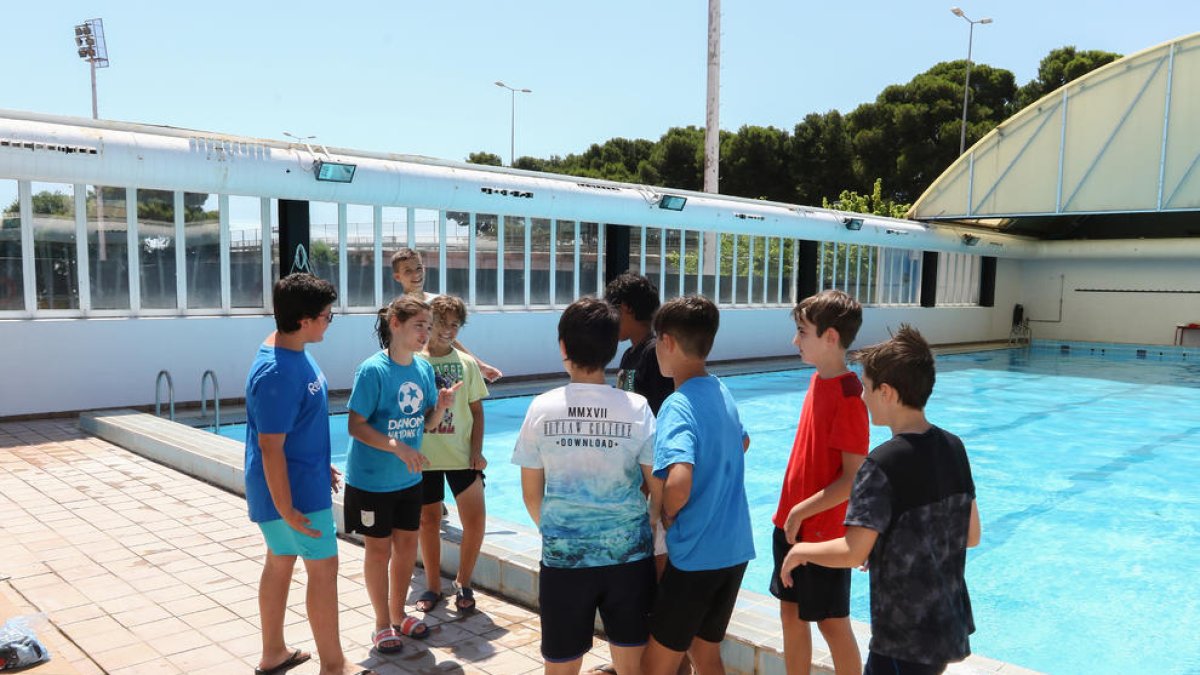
512 137
962 139
90 45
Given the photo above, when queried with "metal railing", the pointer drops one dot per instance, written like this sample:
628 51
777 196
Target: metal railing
170 393
210 375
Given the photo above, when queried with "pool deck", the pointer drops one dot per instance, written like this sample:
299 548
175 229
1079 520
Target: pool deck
139 567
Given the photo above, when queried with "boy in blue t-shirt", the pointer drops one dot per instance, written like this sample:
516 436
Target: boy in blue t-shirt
393 401
288 472
699 464
585 451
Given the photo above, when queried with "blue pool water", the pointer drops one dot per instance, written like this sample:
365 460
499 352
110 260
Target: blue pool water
1086 470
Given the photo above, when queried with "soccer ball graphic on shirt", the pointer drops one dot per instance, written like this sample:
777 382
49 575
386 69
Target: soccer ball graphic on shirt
410 398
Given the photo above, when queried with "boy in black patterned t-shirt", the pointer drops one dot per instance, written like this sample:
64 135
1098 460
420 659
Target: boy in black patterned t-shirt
912 509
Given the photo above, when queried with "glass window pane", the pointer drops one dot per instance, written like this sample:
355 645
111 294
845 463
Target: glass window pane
789 280
670 287
55 262
202 250
564 265
708 283
458 251
514 261
156 248
728 245
360 255
395 237
486 227
426 224
323 241
274 211
635 250
245 252
12 285
743 269
108 247
760 258
589 257
654 257
539 261
691 262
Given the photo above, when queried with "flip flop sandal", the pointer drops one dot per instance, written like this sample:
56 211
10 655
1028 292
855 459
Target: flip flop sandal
297 657
413 627
427 602
387 640
464 600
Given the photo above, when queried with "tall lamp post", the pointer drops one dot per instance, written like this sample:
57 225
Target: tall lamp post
90 45
512 136
962 138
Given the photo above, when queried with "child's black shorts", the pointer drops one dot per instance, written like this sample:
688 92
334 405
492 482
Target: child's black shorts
694 604
819 592
376 514
434 487
569 598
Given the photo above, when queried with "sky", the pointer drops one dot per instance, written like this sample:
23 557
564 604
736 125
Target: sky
418 77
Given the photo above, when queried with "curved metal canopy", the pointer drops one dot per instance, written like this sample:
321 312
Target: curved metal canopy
1113 154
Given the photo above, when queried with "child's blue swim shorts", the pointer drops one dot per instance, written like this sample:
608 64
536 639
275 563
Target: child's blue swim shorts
283 540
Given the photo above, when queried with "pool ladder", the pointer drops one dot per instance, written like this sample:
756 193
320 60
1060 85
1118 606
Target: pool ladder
162 374
210 375
204 379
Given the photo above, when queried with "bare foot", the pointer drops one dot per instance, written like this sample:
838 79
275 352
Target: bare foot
283 661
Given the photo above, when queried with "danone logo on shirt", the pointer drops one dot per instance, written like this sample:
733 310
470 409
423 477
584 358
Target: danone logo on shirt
410 397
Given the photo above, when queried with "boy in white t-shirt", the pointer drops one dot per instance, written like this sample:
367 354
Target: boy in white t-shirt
585 451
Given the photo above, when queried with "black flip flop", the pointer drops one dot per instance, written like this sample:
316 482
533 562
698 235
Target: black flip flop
290 662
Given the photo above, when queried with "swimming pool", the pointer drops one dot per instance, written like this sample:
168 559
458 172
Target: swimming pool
1085 468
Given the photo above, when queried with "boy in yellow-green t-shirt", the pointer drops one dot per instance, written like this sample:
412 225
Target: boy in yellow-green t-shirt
455 453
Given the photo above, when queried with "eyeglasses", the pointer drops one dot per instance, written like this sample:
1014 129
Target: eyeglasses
328 316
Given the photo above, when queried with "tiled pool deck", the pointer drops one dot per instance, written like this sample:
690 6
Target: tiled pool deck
142 568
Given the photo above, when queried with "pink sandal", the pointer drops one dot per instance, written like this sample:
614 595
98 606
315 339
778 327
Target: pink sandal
413 627
387 640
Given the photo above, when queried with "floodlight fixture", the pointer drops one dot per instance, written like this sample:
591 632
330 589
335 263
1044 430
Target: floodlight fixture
672 202
969 239
91 47
852 224
334 172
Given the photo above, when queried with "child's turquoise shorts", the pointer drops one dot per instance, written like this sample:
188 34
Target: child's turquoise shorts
283 540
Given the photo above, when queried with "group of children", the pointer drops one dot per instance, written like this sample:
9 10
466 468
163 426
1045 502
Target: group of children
637 491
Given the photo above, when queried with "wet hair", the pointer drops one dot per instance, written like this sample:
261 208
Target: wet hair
300 296
402 309
403 254
905 363
588 329
692 321
448 305
636 291
831 309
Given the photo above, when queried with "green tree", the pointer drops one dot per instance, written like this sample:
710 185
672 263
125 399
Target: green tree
874 203
1059 67
486 158
910 134
820 158
679 158
754 164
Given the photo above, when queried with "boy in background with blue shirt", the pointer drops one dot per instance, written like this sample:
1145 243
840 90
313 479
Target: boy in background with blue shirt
289 478
699 464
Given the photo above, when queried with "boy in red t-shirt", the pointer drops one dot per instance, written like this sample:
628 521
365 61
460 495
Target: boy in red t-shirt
831 443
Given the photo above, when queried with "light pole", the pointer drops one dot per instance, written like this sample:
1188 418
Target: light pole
91 47
962 138
512 136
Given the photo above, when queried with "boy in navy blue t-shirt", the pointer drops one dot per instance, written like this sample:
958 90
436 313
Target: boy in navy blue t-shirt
288 474
701 479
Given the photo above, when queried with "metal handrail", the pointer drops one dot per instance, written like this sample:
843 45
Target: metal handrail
209 374
170 394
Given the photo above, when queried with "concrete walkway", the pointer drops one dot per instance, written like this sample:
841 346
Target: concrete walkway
141 569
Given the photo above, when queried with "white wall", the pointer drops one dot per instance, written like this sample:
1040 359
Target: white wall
79 364
1142 318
